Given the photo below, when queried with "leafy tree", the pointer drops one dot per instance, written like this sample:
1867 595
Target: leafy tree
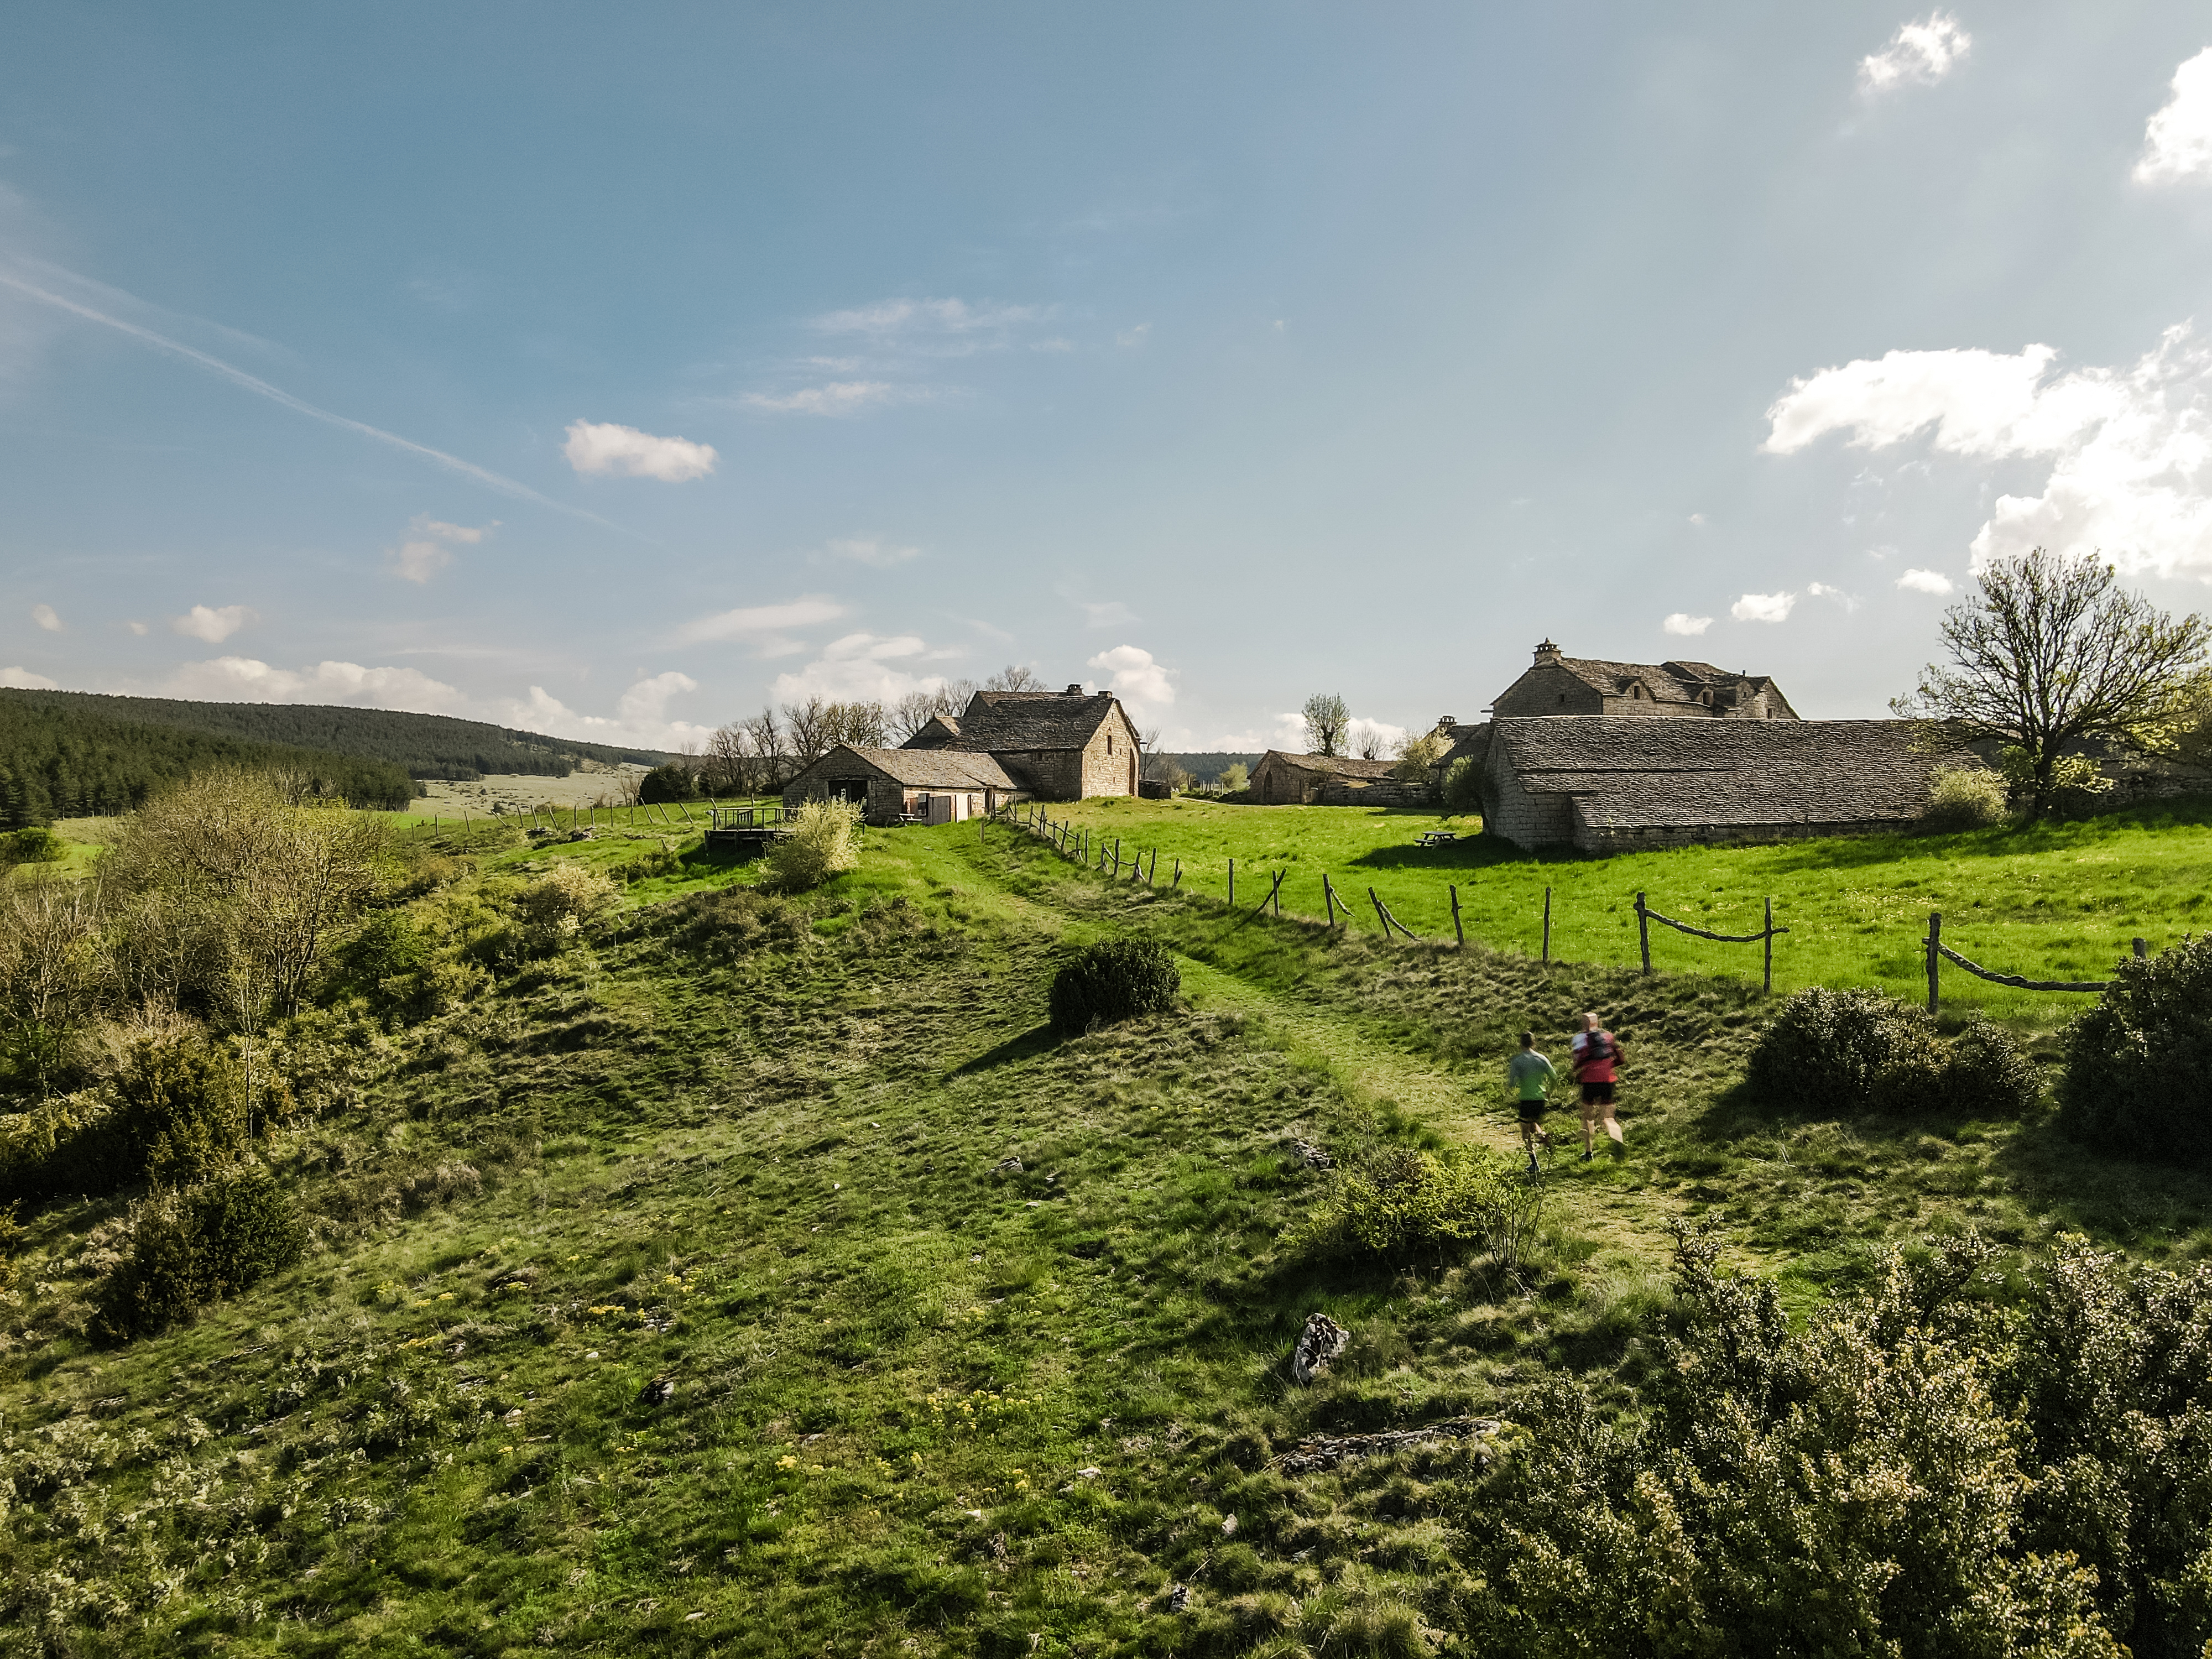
1327 721
1235 776
54 974
672 782
2051 655
1416 754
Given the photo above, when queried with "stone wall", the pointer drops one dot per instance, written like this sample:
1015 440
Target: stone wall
1525 819
1380 792
1548 689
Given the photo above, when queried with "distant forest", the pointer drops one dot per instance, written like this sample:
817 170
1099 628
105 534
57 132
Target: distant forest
421 745
62 761
1206 767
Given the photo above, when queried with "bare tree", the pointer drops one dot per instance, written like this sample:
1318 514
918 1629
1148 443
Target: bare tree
863 725
764 749
912 712
1327 719
1013 678
53 973
1369 743
723 768
954 696
804 726
2051 655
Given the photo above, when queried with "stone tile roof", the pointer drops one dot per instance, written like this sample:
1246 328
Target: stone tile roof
1630 771
1335 766
1003 721
919 769
1668 682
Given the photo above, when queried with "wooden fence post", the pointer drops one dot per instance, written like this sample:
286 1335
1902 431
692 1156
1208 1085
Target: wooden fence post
1232 881
1934 944
1769 942
1177 882
1643 932
1327 899
2143 950
1377 903
1547 925
1458 930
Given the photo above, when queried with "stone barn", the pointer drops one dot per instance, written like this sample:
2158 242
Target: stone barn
896 786
1057 745
1619 783
1287 780
1560 684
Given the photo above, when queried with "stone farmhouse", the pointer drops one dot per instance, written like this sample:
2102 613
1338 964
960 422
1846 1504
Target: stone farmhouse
1005 746
1573 755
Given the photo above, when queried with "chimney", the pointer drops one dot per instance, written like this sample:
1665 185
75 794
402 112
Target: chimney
1074 690
1546 653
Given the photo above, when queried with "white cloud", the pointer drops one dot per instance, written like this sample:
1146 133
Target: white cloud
245 679
625 452
432 551
138 628
46 617
640 717
1918 54
22 679
860 666
1762 607
213 625
1698 518
1133 337
955 318
460 535
2177 139
417 562
1927 581
1136 678
2130 448
1289 736
837 397
1106 613
1684 623
1833 595
760 621
866 550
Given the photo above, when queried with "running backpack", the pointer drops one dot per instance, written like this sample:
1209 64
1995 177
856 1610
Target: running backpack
1600 1048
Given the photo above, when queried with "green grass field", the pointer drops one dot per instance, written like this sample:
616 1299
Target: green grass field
2047 901
924 1401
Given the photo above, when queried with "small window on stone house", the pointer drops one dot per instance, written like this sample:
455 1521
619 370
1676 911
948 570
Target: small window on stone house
1109 743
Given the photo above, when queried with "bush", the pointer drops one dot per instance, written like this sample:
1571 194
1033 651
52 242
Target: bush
2138 1066
1965 797
193 1247
33 844
1462 788
1403 1203
825 840
181 1111
735 921
666 784
1118 980
1847 1053
566 897
1235 776
66 1143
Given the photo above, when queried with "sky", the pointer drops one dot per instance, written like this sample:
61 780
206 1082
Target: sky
612 372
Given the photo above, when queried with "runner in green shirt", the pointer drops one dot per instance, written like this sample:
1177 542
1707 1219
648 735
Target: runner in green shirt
1531 1076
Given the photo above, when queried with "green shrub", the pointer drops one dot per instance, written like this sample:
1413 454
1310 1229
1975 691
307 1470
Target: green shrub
825 840
1403 1203
181 1109
1843 1053
1117 980
33 844
66 1143
666 784
192 1248
1235 776
1462 786
1965 797
2138 1066
733 922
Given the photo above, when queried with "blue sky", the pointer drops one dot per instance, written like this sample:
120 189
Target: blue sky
613 371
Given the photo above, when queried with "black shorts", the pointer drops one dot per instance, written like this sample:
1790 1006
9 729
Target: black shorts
1597 1094
1532 1111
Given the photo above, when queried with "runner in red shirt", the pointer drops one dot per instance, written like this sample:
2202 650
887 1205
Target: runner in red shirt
1593 1054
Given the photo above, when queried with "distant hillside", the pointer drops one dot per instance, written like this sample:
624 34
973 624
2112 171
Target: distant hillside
68 760
421 745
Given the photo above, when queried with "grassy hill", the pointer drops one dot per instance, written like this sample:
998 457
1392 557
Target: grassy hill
758 1276
424 745
77 759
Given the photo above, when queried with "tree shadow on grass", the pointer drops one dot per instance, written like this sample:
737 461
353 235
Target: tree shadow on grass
1476 852
1023 1045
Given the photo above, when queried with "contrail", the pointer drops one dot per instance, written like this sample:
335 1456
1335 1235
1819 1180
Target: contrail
277 394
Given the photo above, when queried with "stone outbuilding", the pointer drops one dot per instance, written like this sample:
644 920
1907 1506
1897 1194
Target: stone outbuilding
1286 779
1558 684
1619 783
894 785
1057 745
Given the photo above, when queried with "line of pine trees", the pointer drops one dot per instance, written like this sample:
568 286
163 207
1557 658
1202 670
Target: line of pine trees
60 763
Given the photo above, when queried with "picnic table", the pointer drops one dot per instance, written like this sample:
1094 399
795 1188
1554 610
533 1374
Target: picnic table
1436 838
